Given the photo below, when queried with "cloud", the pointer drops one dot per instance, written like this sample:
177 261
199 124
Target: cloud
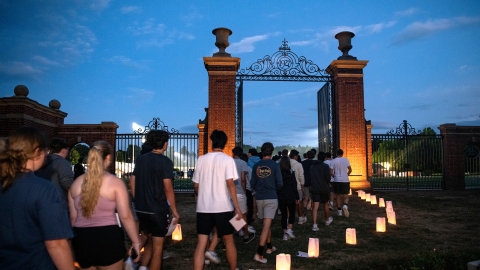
139 96
191 17
407 12
19 70
99 5
276 99
157 33
128 62
301 43
418 30
246 44
131 9
45 61
274 15
421 107
147 27
378 27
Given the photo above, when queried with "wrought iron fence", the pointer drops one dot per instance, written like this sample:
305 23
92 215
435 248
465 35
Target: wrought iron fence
472 166
182 150
407 159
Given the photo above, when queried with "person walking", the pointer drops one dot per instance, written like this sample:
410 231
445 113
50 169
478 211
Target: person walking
340 169
57 169
216 201
94 198
306 164
300 177
34 229
320 189
154 196
266 180
288 198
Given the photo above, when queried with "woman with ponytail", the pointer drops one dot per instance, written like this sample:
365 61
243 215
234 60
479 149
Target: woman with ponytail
93 199
34 226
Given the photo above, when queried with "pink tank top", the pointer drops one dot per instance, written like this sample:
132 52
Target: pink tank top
103 215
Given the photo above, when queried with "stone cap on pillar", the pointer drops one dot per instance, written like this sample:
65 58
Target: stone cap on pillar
346 68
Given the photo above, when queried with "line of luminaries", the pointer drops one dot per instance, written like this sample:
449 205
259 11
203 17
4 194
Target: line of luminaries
283 261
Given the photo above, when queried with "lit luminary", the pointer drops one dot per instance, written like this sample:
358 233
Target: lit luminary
283 262
391 218
313 248
350 193
389 204
360 193
381 224
367 197
351 236
381 202
363 196
388 209
177 233
373 199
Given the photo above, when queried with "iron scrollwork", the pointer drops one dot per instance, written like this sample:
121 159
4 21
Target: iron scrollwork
404 129
284 63
155 124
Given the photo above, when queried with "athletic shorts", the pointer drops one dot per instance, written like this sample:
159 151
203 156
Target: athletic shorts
98 246
341 187
320 197
207 221
154 224
300 194
242 202
267 208
307 192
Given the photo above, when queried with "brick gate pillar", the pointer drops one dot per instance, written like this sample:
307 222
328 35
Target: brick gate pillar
455 140
222 69
349 114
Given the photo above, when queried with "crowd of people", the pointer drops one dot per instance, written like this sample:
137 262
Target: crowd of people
50 219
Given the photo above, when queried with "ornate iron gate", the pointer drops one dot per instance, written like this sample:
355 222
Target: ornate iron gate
284 65
472 166
325 105
407 159
182 150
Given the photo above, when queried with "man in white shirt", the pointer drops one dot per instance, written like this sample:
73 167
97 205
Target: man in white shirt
300 177
340 169
214 173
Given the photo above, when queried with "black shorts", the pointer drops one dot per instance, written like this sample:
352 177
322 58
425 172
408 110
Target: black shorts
154 224
341 187
98 246
206 222
320 197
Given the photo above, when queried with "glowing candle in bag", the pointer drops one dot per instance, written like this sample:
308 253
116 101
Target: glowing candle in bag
283 262
177 233
313 248
381 202
373 199
367 197
391 218
381 224
351 236
389 204
363 196
360 193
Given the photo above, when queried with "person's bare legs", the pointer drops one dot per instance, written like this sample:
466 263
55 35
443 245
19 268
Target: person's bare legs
266 235
214 241
315 212
326 209
157 254
147 252
230 251
199 254
245 228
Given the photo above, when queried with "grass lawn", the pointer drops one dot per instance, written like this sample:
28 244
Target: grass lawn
435 230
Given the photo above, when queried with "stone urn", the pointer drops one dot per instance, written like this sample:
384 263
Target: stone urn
345 44
221 42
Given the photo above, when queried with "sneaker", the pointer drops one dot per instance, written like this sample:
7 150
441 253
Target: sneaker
304 218
257 258
240 233
279 212
339 213
251 229
207 261
301 220
212 256
315 228
290 233
270 250
285 237
345 211
330 205
249 239
329 221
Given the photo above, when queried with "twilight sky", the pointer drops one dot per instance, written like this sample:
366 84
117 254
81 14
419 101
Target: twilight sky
131 61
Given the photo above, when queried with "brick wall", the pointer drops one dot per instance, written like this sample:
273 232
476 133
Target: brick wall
455 139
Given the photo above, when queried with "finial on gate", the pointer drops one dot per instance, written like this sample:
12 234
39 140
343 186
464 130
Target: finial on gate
222 34
345 45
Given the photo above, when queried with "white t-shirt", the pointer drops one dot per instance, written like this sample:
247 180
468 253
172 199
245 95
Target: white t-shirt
241 167
299 174
340 169
328 161
211 172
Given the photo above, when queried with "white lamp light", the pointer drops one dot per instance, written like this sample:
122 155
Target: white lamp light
373 199
391 218
389 204
381 202
381 224
351 236
283 262
177 233
367 197
313 248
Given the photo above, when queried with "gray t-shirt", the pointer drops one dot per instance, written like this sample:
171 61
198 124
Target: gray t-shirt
241 167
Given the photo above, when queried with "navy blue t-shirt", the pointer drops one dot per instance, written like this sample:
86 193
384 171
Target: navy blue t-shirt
150 170
31 211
